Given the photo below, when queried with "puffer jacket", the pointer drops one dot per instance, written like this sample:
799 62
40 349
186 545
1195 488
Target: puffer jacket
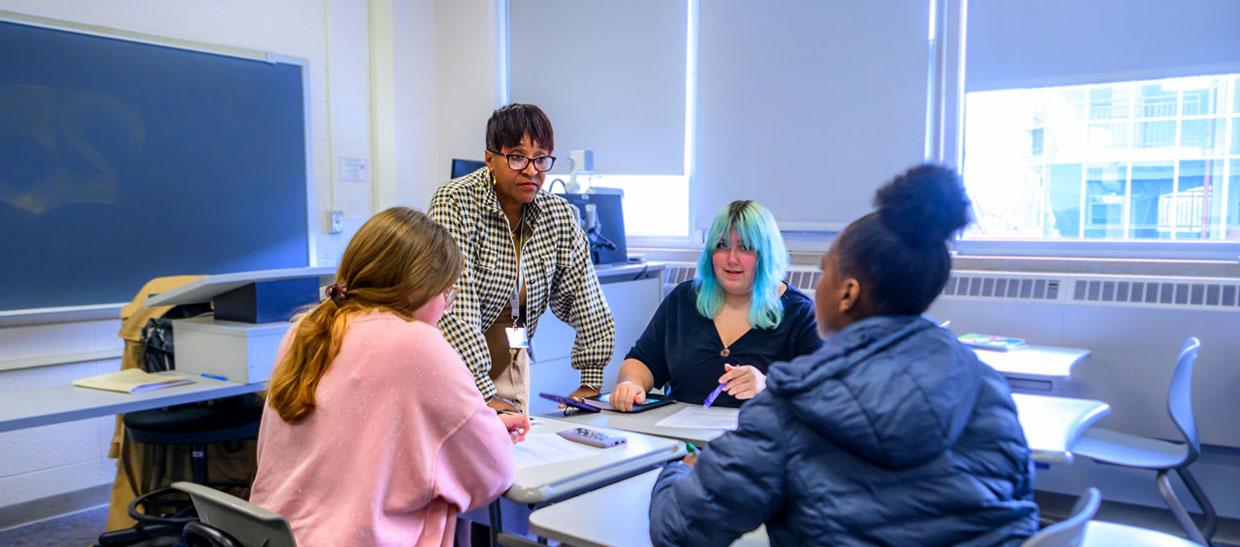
893 433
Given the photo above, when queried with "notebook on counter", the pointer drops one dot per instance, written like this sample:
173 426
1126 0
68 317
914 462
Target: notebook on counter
132 380
991 342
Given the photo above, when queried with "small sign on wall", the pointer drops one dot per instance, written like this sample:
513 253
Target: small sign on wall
354 170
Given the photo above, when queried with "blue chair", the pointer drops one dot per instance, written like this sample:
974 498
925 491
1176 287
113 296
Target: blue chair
1069 532
1115 448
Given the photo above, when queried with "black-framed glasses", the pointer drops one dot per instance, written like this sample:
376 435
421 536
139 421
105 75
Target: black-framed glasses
517 162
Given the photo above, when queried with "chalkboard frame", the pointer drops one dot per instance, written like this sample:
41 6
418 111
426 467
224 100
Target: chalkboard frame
98 311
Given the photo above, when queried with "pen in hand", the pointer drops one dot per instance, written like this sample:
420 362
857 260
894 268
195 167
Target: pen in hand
710 399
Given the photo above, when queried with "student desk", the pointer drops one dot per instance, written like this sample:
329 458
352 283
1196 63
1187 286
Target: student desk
612 515
1034 368
550 468
1052 424
66 403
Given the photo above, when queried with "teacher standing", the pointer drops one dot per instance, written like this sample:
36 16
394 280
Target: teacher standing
524 250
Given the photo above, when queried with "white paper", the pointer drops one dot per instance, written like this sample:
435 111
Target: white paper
697 417
548 448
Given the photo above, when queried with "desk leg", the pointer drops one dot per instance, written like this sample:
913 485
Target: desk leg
497 522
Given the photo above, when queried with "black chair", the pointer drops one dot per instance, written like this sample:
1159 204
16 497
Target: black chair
197 425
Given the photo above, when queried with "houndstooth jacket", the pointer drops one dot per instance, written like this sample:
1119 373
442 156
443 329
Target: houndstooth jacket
555 264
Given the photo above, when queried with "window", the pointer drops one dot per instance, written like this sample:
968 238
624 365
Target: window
1147 160
655 206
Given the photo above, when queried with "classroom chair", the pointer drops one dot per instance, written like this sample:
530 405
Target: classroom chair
196 425
225 520
1115 448
1069 532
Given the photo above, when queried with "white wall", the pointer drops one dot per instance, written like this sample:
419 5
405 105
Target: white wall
334 36
468 85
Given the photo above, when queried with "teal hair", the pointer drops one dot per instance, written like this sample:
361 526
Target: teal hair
755 226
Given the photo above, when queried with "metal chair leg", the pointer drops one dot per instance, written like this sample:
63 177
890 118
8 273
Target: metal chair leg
1177 508
1199 495
497 522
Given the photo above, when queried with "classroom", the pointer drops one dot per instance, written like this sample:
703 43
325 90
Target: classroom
628 272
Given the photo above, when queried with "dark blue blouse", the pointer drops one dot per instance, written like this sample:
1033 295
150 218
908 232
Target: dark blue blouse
682 348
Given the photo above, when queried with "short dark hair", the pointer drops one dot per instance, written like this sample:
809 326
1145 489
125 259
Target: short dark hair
510 123
899 252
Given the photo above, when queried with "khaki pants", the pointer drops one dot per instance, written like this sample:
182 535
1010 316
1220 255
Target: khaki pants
511 373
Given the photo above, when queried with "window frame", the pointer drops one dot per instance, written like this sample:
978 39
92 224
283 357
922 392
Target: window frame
947 146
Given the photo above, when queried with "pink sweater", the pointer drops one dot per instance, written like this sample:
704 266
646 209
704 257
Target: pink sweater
399 443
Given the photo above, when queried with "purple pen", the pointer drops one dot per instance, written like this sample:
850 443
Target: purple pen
710 399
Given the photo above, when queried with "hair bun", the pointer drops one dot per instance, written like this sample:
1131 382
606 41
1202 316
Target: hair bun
924 205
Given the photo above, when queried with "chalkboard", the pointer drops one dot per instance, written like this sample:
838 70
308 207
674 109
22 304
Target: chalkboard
121 161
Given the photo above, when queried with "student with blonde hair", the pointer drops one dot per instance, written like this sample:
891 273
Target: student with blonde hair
374 433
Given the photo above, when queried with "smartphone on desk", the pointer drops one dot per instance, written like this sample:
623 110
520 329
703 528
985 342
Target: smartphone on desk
653 400
572 403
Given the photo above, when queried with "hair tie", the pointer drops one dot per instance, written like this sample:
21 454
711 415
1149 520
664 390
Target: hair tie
337 292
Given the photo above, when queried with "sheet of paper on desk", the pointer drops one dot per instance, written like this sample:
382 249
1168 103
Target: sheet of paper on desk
696 417
544 449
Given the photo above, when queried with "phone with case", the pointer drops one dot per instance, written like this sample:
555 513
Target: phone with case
591 437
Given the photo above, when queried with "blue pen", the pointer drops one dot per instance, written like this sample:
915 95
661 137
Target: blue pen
710 399
215 377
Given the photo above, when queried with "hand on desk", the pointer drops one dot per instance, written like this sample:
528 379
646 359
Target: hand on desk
581 393
516 424
743 382
625 395
690 460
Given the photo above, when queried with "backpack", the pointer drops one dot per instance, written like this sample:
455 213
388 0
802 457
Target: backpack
157 345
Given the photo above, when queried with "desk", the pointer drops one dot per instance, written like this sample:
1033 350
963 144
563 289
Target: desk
56 404
614 515
1034 368
538 483
1051 424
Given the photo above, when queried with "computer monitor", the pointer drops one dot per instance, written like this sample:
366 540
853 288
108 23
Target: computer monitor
461 167
602 217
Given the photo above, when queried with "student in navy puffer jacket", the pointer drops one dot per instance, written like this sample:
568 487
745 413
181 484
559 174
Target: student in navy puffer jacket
892 434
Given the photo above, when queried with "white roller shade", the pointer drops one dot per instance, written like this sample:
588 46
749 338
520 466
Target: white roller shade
1019 44
808 106
610 75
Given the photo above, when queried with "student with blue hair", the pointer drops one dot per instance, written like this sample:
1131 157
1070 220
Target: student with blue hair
893 433
728 324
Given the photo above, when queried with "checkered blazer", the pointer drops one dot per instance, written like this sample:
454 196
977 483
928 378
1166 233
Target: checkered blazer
555 264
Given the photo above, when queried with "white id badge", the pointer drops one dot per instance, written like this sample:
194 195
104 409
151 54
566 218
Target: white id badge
517 338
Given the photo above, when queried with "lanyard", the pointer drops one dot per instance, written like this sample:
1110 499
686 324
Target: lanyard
514 302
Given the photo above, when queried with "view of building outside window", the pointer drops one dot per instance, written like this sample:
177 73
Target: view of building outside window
1141 160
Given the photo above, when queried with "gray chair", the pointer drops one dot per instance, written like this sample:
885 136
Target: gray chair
226 518
1115 448
1069 532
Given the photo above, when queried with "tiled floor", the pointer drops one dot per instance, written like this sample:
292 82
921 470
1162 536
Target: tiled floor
74 530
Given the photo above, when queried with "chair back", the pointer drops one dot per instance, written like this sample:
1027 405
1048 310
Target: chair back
1180 397
1069 532
247 523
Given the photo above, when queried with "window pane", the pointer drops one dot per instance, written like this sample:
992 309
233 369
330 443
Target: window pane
1233 202
1199 200
1202 138
1144 160
1156 101
1104 201
1065 198
1109 103
1152 187
1201 95
1155 134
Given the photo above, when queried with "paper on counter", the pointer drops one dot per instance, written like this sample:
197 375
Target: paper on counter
696 417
